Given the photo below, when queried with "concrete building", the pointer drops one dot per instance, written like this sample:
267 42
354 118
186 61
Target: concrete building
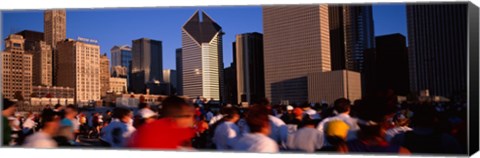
147 64
120 71
170 78
52 92
296 43
202 57
437 46
42 57
178 57
80 69
118 85
104 75
326 87
249 67
55 26
16 69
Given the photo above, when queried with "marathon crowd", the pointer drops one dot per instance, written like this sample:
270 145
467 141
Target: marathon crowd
374 125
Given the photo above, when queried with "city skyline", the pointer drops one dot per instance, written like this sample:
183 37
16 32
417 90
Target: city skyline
234 20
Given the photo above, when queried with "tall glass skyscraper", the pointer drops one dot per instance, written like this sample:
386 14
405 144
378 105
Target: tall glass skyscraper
351 34
147 64
120 56
437 45
202 57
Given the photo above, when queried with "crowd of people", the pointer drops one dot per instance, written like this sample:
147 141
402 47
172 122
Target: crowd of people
370 125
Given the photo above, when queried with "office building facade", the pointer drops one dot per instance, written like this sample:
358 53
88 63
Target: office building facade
104 75
16 69
202 57
55 26
170 78
178 59
118 85
392 64
80 69
296 43
120 57
147 64
326 87
249 67
437 46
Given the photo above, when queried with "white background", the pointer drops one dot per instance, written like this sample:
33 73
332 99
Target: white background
98 153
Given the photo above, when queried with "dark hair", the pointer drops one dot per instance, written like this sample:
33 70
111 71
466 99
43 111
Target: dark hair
142 105
73 107
229 112
257 118
120 112
7 103
172 105
373 109
341 105
57 106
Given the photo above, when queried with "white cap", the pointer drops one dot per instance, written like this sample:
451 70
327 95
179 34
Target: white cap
147 113
289 107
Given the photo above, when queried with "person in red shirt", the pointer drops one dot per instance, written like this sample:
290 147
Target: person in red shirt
171 132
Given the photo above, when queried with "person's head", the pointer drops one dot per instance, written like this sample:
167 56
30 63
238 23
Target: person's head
231 114
374 117
142 105
289 109
58 106
336 132
8 108
109 113
342 105
179 110
257 119
51 122
123 114
298 112
71 111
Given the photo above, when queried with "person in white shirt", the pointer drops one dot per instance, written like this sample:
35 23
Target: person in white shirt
311 113
29 124
306 139
44 138
215 119
401 126
257 140
342 107
227 132
120 129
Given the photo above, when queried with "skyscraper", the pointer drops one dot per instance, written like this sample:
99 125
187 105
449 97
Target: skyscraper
55 30
104 75
16 69
55 26
202 57
42 57
147 64
170 78
230 94
392 63
249 67
120 56
351 33
296 43
437 45
178 57
80 69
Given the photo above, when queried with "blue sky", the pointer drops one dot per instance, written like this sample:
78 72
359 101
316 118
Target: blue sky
120 26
